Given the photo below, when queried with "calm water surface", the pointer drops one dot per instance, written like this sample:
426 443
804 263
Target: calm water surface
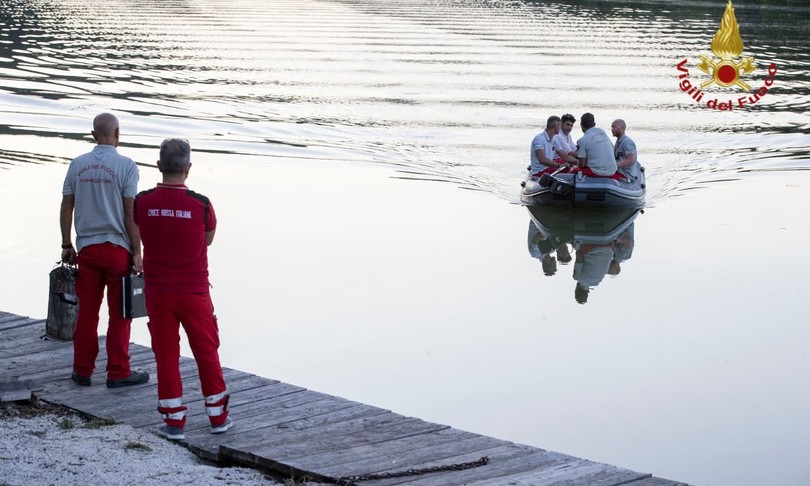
364 160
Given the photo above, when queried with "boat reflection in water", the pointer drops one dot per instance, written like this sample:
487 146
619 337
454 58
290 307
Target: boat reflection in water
601 239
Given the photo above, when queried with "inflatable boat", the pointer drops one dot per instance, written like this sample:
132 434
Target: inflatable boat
580 190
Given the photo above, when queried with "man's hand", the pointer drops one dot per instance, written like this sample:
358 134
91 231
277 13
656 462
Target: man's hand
69 256
137 263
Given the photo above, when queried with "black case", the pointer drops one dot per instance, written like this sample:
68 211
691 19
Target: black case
134 298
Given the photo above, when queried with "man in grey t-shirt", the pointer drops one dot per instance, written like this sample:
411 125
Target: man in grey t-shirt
625 150
99 191
595 150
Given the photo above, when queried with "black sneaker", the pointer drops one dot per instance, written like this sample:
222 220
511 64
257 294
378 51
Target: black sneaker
80 380
134 378
171 433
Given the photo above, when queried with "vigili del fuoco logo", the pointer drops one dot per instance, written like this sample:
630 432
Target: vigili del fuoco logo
727 69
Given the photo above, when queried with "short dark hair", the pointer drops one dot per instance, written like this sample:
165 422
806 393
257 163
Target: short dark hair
587 121
175 156
552 120
568 117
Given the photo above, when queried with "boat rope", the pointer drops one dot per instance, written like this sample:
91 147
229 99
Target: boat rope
352 480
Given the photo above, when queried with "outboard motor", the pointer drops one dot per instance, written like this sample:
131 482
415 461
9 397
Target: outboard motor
561 189
546 180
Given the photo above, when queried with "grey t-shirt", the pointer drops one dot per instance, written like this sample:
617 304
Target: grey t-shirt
99 180
596 147
624 146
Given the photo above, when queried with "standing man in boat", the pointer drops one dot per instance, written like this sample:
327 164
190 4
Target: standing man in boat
98 196
176 226
566 148
625 150
543 150
595 150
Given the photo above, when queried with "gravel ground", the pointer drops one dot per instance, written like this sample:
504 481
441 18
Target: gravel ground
46 445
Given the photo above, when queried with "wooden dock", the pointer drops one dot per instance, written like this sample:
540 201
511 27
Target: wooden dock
294 431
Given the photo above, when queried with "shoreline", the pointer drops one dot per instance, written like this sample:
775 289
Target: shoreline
44 443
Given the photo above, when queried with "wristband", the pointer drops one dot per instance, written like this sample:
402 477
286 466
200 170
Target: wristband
65 246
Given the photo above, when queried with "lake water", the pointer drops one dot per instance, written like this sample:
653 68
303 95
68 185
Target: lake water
364 158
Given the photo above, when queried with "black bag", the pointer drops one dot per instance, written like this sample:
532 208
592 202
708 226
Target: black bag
134 298
63 304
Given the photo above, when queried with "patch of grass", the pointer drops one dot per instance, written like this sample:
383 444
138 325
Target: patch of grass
137 446
296 481
66 424
98 423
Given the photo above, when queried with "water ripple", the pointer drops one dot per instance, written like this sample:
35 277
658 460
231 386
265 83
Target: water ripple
445 90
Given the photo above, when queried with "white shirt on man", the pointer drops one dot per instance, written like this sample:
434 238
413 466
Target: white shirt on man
596 147
564 142
542 142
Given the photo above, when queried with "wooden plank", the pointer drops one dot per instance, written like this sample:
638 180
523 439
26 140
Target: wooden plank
15 391
501 451
20 334
464 449
13 348
299 420
284 445
202 427
246 404
503 463
572 474
654 481
35 361
56 367
401 452
297 407
12 318
291 408
33 331
238 382
24 322
103 403
95 398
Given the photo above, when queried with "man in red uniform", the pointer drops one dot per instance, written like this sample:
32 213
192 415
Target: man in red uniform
176 227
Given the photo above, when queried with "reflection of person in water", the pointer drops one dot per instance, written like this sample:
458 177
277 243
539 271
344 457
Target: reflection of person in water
622 249
590 267
595 261
543 249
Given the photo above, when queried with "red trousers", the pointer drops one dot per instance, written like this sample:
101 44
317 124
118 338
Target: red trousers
167 310
101 265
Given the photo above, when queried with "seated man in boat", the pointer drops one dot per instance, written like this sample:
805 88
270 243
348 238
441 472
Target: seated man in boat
543 150
625 150
595 152
566 148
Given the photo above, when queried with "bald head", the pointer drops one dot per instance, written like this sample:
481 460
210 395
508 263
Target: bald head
105 129
618 127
